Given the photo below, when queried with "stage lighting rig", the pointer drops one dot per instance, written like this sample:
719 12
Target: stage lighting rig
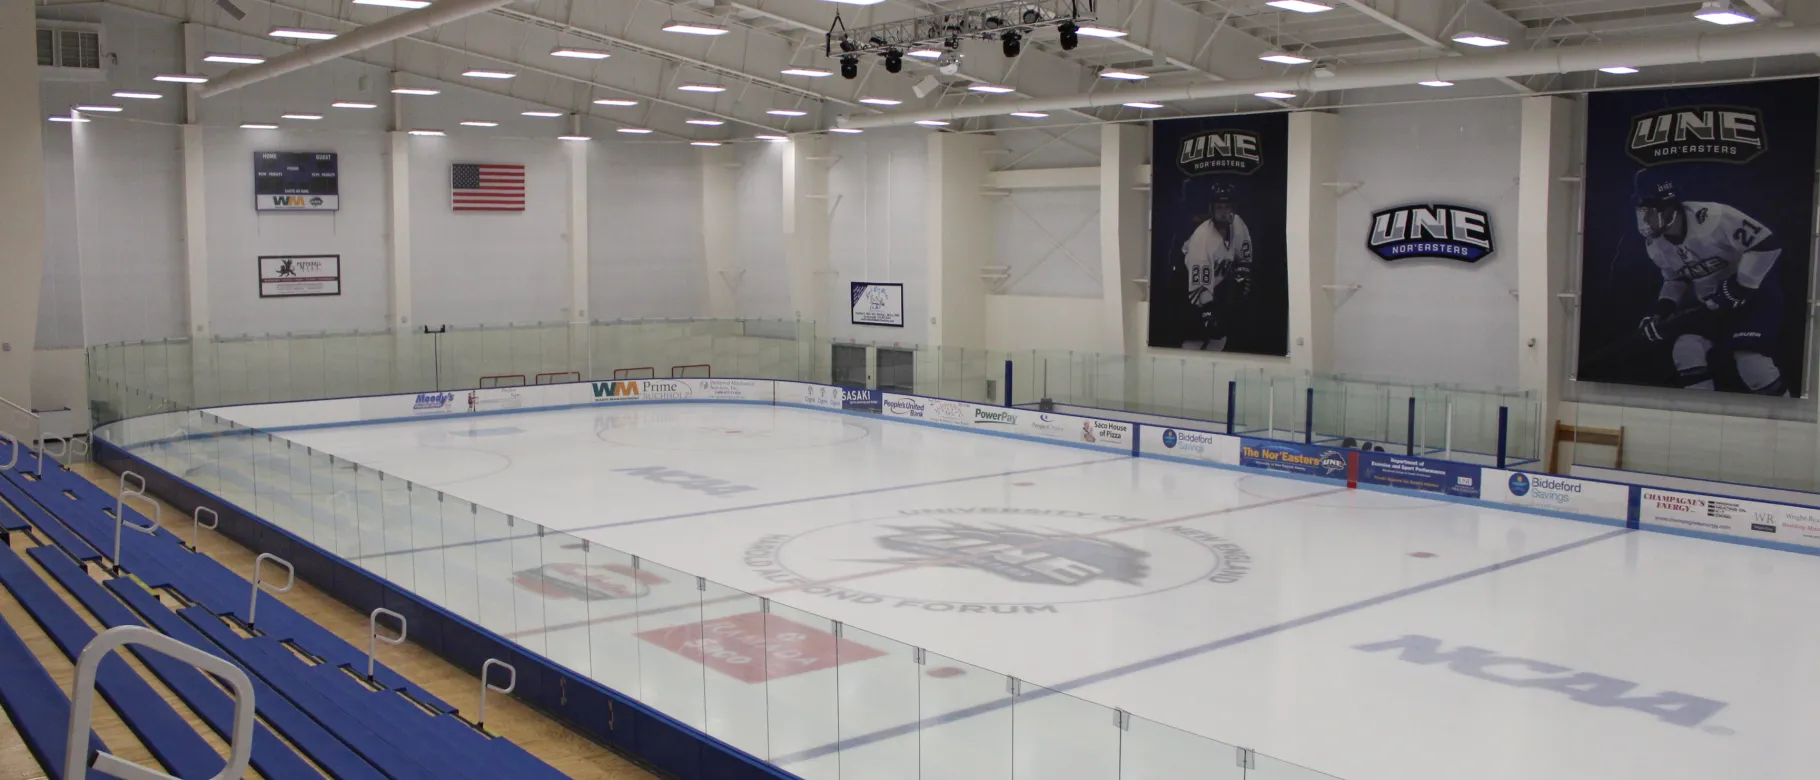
1009 23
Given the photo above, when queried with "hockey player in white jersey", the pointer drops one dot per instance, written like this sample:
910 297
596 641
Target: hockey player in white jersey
1718 289
1217 261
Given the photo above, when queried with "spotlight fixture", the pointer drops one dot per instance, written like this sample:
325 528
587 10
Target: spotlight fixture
849 66
615 102
786 112
488 74
1721 12
894 61
415 91
1284 58
301 33
478 123
1069 35
433 133
701 88
993 89
1030 114
813 73
181 78
927 54
257 126
690 28
1436 83
634 131
310 117
1619 70
541 114
138 95
1013 43
1275 95
1480 40
1143 105
1123 75
932 122
879 101
235 59
352 104
1032 16
705 122
846 130
1299 6
577 53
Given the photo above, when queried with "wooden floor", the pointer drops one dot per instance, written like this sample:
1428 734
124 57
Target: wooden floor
556 745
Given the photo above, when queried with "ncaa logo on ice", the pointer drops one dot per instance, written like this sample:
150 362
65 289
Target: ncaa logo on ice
1220 151
1434 230
996 560
1727 134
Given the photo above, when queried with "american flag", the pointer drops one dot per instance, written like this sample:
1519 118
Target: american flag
488 187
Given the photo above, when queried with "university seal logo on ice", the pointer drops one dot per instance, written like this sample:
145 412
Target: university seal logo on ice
996 560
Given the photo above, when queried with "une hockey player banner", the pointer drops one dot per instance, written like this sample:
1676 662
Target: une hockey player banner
1699 211
1218 272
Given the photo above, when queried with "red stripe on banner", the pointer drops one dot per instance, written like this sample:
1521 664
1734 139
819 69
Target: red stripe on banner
489 208
517 203
518 188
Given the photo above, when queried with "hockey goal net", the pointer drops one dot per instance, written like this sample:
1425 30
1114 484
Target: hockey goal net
558 377
697 371
642 372
502 380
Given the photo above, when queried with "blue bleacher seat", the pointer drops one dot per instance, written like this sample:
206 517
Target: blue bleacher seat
35 703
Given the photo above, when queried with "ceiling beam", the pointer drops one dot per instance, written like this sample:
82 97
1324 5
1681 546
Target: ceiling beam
1428 23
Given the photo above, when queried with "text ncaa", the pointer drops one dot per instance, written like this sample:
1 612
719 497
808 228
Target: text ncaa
1431 230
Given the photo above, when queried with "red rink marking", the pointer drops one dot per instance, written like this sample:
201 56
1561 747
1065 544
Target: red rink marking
1023 484
1421 555
755 647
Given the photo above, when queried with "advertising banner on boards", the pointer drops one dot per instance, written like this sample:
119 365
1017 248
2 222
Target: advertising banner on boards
1218 250
1699 218
1428 475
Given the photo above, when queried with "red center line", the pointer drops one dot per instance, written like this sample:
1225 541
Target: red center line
917 565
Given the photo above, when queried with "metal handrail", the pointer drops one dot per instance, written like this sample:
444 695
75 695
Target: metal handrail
77 762
196 526
373 638
253 608
120 512
62 457
14 461
480 719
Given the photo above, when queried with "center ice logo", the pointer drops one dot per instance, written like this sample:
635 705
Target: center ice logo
996 560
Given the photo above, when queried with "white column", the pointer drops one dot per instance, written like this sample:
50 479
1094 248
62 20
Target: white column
719 179
1544 227
1313 158
961 239
196 236
805 213
21 201
1124 237
580 345
399 246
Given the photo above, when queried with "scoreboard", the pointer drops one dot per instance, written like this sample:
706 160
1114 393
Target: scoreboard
296 181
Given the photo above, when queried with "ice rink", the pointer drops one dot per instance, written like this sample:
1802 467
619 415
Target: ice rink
1367 635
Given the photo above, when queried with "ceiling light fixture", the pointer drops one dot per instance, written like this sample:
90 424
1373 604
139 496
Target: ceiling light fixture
1275 95
932 122
412 4
786 112
415 91
181 78
576 53
1436 83
1619 70
301 33
258 126
1284 58
300 116
705 122
846 130
70 119
478 123
878 101
1123 75
488 74
927 54
615 102
100 109
704 143
690 28
857 2
990 88
702 88
352 104
1143 105
1299 6
1030 114
235 59
771 138
634 130
1099 32
574 138
813 73
427 132
1480 40
1721 12
541 114
138 95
